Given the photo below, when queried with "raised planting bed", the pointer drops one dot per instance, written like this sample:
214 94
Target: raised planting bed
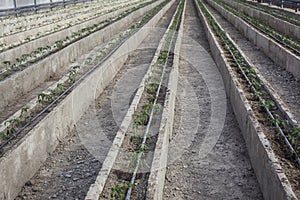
32 150
57 24
272 43
125 173
292 44
278 24
277 12
14 124
269 136
55 62
14 24
36 6
22 23
26 47
160 158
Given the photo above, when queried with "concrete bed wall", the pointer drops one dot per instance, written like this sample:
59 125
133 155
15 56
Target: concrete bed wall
273 185
158 169
24 81
272 49
97 187
284 27
12 23
32 150
25 48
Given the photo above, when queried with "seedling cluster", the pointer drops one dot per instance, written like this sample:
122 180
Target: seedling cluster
273 12
289 133
295 45
13 125
42 52
54 25
143 118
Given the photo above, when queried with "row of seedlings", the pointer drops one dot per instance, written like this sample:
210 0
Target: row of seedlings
59 25
29 19
280 131
9 67
290 43
34 111
274 12
140 139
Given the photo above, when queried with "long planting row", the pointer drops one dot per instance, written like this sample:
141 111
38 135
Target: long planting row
12 27
42 139
278 13
159 164
293 45
11 127
22 37
55 63
143 120
18 54
272 43
48 15
279 130
280 25
139 134
68 16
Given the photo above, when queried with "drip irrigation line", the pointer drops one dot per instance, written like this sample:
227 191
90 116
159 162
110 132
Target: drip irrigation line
279 13
261 100
226 37
46 109
133 177
293 49
68 43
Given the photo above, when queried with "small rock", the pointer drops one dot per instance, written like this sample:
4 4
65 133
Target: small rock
68 175
87 174
80 162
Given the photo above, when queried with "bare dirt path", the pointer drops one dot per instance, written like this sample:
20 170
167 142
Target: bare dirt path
208 157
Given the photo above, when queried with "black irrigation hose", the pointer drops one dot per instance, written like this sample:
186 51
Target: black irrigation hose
73 85
271 11
226 37
25 65
245 18
262 101
98 14
133 177
121 16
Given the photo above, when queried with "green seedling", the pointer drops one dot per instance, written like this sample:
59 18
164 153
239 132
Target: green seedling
3 136
44 98
7 64
59 44
40 50
119 191
25 115
73 74
269 104
152 87
256 83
